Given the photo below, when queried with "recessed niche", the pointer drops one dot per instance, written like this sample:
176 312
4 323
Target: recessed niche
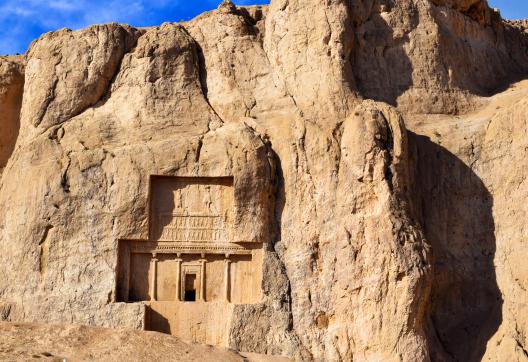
191 209
190 262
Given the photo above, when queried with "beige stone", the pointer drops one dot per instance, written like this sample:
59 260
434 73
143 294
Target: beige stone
428 58
11 88
246 179
24 341
69 72
194 266
477 10
474 165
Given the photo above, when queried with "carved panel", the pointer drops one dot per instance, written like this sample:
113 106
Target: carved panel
186 209
191 269
175 247
191 228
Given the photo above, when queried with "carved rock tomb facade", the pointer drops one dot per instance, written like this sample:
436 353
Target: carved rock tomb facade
204 254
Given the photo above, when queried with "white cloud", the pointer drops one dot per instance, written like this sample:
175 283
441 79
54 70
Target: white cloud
64 5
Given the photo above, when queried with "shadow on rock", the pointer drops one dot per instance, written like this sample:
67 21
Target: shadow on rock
381 67
455 210
157 322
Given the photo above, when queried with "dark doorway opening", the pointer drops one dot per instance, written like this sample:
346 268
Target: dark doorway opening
190 288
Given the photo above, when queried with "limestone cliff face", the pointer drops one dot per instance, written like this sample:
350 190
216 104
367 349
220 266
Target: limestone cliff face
465 163
435 56
11 88
378 243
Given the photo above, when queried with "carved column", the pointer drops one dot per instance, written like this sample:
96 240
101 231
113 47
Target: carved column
227 264
178 279
154 281
202 278
126 268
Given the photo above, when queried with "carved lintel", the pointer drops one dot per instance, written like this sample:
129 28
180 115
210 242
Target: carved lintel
170 247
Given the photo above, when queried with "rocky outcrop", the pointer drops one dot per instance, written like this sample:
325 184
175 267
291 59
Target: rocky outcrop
379 243
464 163
11 88
477 10
69 72
434 57
519 24
22 342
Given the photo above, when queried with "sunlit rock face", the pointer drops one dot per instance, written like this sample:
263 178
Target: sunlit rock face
11 88
247 179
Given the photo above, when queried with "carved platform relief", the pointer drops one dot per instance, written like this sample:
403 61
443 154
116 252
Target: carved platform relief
189 271
192 210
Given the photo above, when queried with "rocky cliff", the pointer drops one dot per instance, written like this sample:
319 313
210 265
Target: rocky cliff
377 142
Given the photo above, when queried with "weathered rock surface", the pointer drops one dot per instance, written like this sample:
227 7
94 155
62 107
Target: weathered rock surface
477 10
69 72
429 58
474 165
379 243
24 342
11 88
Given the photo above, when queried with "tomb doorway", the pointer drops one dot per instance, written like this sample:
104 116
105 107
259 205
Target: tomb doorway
190 288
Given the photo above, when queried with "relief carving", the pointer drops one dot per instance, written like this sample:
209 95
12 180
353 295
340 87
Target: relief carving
192 210
190 257
191 228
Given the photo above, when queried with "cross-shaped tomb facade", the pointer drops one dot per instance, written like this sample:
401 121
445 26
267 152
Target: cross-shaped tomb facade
192 263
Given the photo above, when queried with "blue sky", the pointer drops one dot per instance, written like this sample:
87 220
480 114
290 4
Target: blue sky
21 21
